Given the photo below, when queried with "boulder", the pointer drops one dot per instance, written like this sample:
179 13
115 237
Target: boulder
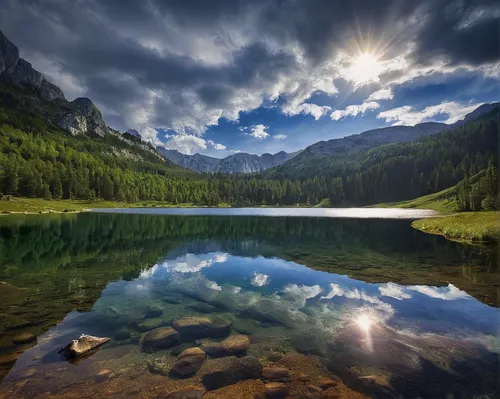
24 338
276 390
275 374
82 345
236 344
190 392
229 370
201 327
160 338
189 362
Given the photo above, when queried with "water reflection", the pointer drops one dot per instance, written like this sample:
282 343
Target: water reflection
383 306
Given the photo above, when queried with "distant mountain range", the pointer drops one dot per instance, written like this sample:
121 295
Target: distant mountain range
237 163
309 160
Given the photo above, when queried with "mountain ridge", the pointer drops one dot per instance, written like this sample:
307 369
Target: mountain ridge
240 162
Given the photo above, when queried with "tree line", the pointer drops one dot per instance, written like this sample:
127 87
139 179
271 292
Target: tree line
37 160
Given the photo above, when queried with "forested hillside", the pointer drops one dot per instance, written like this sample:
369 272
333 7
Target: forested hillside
40 160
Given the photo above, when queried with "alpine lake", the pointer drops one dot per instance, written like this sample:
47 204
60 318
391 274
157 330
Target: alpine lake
217 303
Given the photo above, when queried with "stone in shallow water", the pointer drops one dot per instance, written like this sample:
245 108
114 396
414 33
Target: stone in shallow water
276 374
189 362
276 390
152 311
160 338
24 338
201 327
122 335
159 366
204 308
236 345
247 389
82 345
150 324
229 370
103 375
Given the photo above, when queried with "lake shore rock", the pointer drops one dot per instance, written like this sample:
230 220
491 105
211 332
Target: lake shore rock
276 374
82 345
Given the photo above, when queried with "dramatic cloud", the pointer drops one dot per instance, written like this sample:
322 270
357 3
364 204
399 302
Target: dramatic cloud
186 143
406 115
354 110
394 291
182 66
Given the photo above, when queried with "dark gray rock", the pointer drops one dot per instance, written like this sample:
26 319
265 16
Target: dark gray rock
192 328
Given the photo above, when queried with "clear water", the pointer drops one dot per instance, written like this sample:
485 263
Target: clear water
388 309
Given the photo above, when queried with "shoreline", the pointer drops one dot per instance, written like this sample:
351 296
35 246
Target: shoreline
468 227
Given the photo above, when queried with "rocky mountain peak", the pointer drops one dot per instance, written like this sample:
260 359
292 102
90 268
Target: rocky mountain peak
18 71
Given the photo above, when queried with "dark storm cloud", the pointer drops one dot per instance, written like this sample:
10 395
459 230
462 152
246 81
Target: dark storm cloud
187 62
461 31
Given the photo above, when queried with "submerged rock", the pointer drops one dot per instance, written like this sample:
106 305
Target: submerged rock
276 390
24 338
160 338
204 308
189 362
201 327
159 366
236 345
275 374
82 345
229 370
152 311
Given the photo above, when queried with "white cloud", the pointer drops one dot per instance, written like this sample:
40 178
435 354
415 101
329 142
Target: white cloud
190 263
406 115
316 111
258 131
354 110
259 279
280 136
449 293
304 291
382 94
213 286
217 146
394 291
187 143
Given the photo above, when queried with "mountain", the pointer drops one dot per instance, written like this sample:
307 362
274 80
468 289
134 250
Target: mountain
25 91
236 163
313 160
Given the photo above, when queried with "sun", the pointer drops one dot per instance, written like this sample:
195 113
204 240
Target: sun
364 68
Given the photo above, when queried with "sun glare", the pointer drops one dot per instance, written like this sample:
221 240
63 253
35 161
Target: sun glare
364 323
364 68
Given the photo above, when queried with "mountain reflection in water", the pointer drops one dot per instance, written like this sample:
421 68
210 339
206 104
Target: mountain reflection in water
388 309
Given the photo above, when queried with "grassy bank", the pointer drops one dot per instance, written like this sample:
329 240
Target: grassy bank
467 226
38 205
442 201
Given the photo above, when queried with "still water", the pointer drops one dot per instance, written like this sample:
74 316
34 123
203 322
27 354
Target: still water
388 310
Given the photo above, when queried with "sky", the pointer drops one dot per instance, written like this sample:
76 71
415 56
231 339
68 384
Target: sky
224 76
